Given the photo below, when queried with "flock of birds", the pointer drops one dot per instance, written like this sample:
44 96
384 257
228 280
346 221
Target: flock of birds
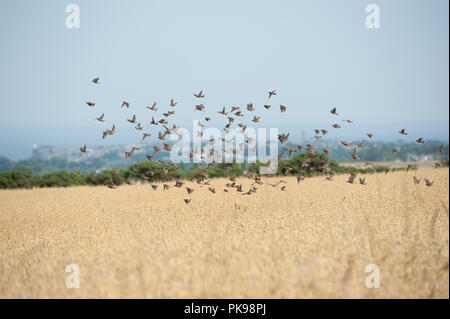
208 156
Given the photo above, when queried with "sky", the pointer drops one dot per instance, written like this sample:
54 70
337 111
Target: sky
315 54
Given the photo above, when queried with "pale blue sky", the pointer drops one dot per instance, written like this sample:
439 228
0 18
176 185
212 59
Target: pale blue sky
316 54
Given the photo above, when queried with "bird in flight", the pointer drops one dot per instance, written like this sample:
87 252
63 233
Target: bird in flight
101 118
96 80
333 111
428 182
362 181
223 111
199 107
267 106
416 180
403 131
336 126
370 135
282 108
133 120
420 140
153 107
83 149
125 103
146 135
272 93
172 103
199 95
440 149
91 104
256 119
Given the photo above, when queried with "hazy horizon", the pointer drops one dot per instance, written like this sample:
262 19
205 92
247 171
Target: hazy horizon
316 54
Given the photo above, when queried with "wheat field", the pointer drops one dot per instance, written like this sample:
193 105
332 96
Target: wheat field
313 240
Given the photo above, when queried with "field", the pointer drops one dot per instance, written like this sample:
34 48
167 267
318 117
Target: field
313 240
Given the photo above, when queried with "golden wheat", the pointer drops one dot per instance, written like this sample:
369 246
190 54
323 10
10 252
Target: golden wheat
313 240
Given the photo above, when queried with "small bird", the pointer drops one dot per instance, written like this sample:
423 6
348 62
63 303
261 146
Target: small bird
199 107
333 111
83 149
416 180
326 151
272 93
212 190
362 181
199 95
153 121
283 137
283 188
267 106
155 187
282 108
324 132
173 103
348 121
388 170
420 140
256 119
149 157
336 126
189 190
361 145
133 120
409 167
153 107
96 80
351 179
250 107
187 200
156 149
146 135
91 104
167 147
100 119
354 156
437 164
369 135
138 127
428 182
440 149
403 131
394 150
125 103
223 111
299 179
